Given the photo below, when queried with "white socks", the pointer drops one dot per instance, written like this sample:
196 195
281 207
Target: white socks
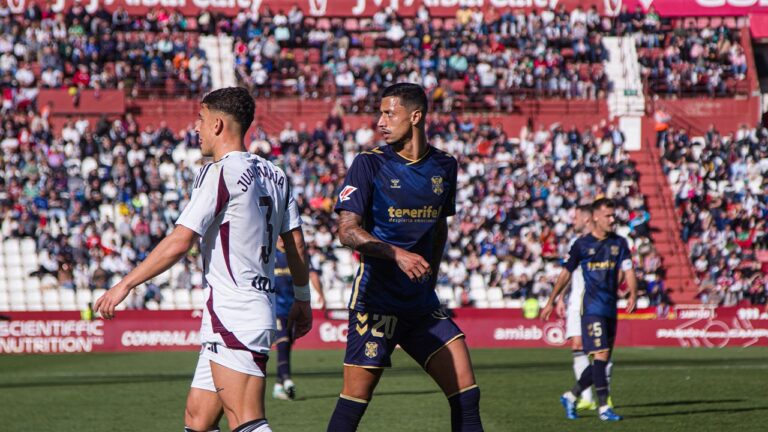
581 362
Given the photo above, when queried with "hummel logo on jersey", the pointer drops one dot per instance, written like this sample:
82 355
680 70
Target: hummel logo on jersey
395 184
346 192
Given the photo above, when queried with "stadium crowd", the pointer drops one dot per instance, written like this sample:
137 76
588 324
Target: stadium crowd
477 54
97 197
477 59
692 59
76 49
720 183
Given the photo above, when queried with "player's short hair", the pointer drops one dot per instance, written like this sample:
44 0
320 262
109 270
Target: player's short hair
235 101
586 208
412 96
601 202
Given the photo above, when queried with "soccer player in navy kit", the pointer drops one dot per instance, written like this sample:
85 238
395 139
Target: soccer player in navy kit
605 261
284 388
392 209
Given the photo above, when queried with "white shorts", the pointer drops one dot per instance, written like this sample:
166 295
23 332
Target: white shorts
572 323
249 357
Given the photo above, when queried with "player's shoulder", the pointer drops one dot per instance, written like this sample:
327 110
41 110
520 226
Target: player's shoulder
618 239
374 154
372 159
443 155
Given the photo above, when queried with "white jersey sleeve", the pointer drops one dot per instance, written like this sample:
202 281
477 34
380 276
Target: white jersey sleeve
292 217
205 202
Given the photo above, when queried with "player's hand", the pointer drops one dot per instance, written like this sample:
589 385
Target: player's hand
300 318
560 309
321 301
631 304
413 265
106 304
546 311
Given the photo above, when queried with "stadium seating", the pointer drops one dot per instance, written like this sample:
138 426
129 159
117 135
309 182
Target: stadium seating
515 192
722 209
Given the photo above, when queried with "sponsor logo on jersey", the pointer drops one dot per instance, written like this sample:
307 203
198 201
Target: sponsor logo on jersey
601 265
437 185
371 349
346 192
426 212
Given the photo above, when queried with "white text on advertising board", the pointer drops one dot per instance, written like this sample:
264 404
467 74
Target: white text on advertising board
54 336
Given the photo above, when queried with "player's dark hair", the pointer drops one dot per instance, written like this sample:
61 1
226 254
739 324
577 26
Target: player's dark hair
586 208
412 96
603 202
235 101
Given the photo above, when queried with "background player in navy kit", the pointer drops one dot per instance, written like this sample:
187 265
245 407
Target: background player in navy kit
284 387
605 260
393 209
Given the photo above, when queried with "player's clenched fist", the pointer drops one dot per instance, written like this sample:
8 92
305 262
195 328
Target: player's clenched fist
107 303
413 265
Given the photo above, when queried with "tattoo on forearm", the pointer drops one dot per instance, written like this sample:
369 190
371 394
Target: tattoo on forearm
351 234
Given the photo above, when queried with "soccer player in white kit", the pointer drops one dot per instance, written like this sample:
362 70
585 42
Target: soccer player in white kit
240 204
572 310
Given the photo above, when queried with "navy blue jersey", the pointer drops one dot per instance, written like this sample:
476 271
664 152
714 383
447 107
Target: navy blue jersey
283 284
601 262
400 202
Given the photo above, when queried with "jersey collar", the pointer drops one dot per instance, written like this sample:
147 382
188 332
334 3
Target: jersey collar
408 161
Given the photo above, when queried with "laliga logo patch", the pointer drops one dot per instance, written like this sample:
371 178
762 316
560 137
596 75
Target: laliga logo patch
346 192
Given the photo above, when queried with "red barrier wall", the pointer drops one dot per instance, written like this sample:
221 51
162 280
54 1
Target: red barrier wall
55 332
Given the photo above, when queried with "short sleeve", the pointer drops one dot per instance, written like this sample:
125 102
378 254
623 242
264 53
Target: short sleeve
450 201
292 216
209 198
574 257
625 256
355 193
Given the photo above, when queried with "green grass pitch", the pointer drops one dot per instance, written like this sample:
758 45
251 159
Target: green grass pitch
655 389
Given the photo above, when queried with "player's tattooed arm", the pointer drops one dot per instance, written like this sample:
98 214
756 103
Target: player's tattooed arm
438 247
352 235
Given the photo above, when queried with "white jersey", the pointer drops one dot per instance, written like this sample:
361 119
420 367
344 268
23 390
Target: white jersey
239 205
573 306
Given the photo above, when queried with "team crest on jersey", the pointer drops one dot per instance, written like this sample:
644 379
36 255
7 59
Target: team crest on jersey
614 250
346 192
437 185
371 349
591 251
394 184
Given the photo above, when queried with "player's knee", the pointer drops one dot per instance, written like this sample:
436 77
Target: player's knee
602 355
195 421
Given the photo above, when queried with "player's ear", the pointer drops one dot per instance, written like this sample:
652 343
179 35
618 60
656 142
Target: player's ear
416 116
218 126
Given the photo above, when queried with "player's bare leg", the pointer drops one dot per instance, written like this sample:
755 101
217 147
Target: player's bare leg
359 384
451 368
242 397
203 411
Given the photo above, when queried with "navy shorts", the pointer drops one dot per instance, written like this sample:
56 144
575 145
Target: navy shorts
282 334
372 337
597 333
